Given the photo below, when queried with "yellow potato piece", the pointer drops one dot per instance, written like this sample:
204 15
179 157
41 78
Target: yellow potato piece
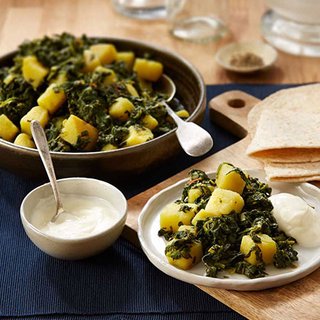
148 69
104 52
52 99
8 130
121 109
24 140
194 194
36 113
75 128
127 57
59 79
132 90
33 71
195 252
109 147
229 179
111 77
172 216
8 78
91 61
183 113
149 122
224 201
138 135
267 246
201 215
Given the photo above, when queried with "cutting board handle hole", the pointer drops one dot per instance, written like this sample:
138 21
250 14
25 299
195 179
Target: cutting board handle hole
236 103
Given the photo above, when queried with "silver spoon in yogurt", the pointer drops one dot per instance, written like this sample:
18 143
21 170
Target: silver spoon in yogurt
194 140
41 142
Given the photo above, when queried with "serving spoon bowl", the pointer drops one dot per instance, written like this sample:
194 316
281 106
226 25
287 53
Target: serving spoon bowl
194 140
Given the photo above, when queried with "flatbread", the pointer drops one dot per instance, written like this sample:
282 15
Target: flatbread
286 136
292 172
285 132
299 99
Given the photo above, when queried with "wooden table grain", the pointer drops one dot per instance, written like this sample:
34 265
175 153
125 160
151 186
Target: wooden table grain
28 19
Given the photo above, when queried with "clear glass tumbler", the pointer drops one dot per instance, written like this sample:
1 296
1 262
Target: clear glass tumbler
141 9
293 26
197 20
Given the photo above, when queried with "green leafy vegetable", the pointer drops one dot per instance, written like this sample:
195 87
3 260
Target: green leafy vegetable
221 236
87 95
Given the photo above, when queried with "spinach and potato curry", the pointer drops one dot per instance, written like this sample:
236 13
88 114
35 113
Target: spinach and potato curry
227 223
87 95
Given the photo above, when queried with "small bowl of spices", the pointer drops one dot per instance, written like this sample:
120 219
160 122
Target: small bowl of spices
246 57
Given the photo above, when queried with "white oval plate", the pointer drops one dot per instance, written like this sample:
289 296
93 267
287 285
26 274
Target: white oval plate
154 246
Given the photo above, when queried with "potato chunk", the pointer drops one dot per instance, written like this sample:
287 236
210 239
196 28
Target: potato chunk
224 201
127 57
184 252
8 79
267 246
109 147
175 214
8 130
132 90
104 52
183 113
24 140
33 71
194 194
148 69
79 133
149 122
110 76
59 79
138 135
52 99
90 61
121 109
201 215
228 178
36 113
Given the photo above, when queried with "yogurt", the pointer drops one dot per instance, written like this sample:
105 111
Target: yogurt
85 216
297 219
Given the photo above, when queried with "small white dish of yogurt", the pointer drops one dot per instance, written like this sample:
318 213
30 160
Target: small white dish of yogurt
95 215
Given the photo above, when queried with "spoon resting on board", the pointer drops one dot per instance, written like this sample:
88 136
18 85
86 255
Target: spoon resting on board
41 142
194 140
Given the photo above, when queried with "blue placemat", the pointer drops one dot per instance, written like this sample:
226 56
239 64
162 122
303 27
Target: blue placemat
117 284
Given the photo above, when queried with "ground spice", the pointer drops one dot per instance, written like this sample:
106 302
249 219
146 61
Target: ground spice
247 59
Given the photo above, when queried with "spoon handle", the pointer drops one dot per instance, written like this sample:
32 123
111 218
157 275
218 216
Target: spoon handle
41 142
173 115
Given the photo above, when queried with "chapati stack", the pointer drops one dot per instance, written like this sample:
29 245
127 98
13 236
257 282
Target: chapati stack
285 131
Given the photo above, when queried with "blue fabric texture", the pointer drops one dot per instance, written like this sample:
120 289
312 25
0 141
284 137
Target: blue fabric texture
120 283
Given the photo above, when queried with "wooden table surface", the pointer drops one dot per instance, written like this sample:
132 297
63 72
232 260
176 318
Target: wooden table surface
28 19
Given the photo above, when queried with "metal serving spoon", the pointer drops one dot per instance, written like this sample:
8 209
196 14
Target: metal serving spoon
194 140
41 142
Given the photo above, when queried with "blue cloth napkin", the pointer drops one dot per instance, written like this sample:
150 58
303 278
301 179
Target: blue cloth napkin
120 283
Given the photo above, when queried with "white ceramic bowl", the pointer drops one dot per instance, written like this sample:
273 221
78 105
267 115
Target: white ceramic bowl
266 52
73 249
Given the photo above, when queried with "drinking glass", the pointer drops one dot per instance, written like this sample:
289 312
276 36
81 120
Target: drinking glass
195 20
141 9
293 26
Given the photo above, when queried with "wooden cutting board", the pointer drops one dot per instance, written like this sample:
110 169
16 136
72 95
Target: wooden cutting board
298 300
